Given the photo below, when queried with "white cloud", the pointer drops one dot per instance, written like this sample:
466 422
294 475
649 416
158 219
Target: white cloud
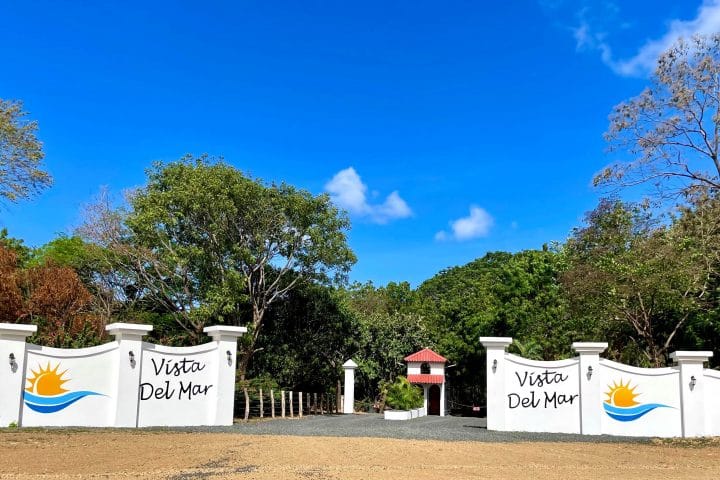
706 22
348 191
476 225
587 37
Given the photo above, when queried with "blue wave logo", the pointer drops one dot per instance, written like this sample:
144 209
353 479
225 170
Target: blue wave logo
628 414
45 393
621 404
54 403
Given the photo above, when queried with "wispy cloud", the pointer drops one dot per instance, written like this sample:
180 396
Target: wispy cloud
590 35
348 191
475 225
706 21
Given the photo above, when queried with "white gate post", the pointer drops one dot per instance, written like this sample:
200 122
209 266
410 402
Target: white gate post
495 373
226 338
129 339
12 370
692 391
349 387
591 396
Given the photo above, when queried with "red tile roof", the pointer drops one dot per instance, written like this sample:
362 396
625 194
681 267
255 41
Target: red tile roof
425 355
426 378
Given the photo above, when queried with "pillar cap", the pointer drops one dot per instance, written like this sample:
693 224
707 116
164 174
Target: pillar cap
691 357
129 329
17 329
217 331
590 347
350 364
496 342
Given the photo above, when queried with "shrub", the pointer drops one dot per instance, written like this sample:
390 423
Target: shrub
403 395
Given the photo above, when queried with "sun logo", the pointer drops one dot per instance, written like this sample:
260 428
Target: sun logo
47 381
45 392
621 395
621 405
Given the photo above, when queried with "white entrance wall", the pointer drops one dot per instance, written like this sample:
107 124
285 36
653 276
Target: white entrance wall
595 396
124 383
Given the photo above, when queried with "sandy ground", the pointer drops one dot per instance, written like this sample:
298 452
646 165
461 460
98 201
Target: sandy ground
189 456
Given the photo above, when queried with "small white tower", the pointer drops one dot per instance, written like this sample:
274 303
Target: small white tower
427 368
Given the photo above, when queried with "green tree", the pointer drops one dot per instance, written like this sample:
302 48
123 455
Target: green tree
672 129
636 278
206 243
21 154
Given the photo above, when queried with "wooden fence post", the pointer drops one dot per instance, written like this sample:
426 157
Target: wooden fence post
282 402
272 403
261 403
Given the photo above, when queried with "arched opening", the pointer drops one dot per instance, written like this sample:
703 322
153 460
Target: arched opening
425 368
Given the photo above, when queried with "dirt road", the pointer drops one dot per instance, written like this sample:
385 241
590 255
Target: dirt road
197 456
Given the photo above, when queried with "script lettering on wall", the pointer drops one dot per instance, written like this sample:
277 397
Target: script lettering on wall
172 382
548 390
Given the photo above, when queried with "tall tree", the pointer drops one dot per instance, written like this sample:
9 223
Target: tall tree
672 129
210 244
636 278
21 154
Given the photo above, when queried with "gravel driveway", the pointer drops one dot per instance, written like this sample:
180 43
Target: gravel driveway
425 428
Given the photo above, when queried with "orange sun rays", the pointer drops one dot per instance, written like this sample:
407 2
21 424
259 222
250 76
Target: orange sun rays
47 381
621 395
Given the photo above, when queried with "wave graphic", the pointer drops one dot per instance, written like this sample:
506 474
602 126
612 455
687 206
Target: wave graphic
54 403
628 414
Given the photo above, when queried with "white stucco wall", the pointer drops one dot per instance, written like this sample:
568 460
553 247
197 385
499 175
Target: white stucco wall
653 386
86 370
712 402
541 396
178 381
124 383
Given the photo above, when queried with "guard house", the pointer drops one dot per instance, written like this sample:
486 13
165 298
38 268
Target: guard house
427 368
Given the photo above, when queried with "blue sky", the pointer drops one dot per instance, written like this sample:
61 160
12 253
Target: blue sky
447 129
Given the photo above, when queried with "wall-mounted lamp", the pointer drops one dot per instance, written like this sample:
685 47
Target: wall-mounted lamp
13 365
229 357
131 354
590 371
494 367
693 381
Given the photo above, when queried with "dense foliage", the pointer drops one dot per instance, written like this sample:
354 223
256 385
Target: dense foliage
201 243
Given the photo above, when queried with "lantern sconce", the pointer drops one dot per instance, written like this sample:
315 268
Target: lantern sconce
13 364
494 367
131 354
229 357
589 372
693 381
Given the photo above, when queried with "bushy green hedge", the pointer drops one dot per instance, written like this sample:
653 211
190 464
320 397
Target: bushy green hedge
403 395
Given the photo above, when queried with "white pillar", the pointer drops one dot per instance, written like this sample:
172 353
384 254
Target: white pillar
495 372
226 338
692 391
442 399
349 387
12 370
591 395
426 396
129 338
